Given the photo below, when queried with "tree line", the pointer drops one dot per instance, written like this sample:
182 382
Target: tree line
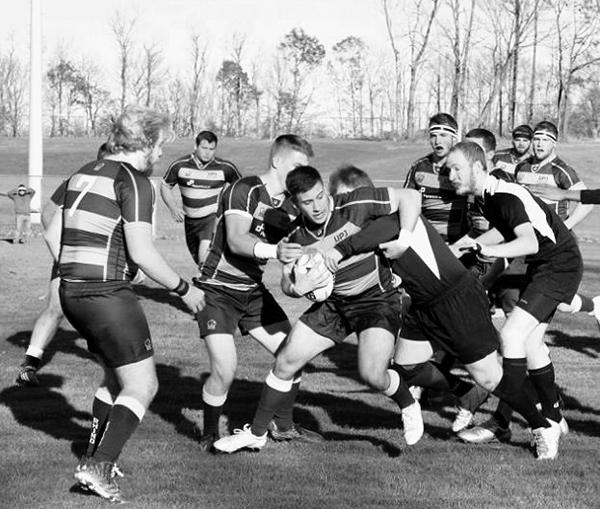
492 63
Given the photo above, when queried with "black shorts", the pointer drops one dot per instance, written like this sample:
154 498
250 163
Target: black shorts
197 230
458 321
337 318
227 309
549 284
109 316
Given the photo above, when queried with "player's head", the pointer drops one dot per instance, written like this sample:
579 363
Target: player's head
102 152
347 178
139 132
21 189
308 193
443 131
545 136
467 167
485 139
521 139
206 146
289 151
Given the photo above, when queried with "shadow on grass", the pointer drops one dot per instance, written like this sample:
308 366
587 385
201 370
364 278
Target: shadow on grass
63 341
585 345
45 409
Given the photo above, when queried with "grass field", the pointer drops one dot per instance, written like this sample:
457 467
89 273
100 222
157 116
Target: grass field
363 464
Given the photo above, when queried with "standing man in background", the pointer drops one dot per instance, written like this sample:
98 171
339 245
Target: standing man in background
21 197
201 177
508 159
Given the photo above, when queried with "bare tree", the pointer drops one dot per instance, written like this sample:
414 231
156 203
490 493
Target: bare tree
123 31
12 93
198 72
532 86
397 103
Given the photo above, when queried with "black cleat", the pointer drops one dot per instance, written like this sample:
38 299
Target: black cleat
207 441
27 377
296 432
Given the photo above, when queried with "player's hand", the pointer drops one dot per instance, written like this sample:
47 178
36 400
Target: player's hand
332 258
317 277
194 299
471 245
177 215
547 192
393 249
288 251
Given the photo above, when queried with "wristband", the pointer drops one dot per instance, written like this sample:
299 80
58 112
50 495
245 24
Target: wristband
182 288
405 238
265 251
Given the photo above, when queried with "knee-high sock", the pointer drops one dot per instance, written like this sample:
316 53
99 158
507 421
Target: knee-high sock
275 395
547 392
123 420
101 408
511 389
398 390
284 416
213 408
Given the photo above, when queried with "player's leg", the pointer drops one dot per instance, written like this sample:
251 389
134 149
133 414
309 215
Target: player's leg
302 345
26 227
206 227
44 330
192 239
375 348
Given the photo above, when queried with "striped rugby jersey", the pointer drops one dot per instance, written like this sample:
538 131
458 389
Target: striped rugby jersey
552 171
271 220
507 205
441 206
507 160
428 268
349 213
200 184
100 199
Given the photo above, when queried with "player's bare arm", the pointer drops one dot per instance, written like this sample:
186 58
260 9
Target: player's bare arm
167 193
580 211
145 255
52 233
525 243
408 203
553 192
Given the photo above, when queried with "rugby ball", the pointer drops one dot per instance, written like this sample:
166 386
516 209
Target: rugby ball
306 263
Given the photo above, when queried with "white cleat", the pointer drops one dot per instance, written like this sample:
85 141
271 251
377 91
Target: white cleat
416 392
489 431
596 312
412 421
463 420
241 439
546 441
564 427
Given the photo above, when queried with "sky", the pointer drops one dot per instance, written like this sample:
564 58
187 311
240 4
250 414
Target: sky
83 27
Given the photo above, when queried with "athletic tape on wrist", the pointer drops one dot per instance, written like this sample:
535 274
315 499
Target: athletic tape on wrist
265 251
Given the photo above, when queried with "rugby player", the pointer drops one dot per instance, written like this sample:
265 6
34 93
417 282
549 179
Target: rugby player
523 225
364 301
103 234
46 325
508 159
201 176
253 219
449 308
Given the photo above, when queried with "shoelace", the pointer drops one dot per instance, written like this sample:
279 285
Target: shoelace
245 429
540 444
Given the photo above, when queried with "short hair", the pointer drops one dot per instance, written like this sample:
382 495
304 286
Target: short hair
472 152
302 179
546 127
136 129
444 120
290 142
523 131
350 176
208 136
102 151
487 137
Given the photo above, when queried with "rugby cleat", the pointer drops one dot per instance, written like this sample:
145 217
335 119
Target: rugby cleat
546 441
564 427
416 392
27 377
489 431
296 432
412 421
596 312
207 441
97 476
241 439
463 420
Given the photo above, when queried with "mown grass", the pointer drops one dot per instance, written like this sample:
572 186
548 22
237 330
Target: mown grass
364 462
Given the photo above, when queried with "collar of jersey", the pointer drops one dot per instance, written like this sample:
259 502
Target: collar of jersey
535 167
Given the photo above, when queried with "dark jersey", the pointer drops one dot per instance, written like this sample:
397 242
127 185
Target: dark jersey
428 268
590 196
58 196
508 205
506 160
350 211
441 206
271 220
200 184
100 199
552 171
